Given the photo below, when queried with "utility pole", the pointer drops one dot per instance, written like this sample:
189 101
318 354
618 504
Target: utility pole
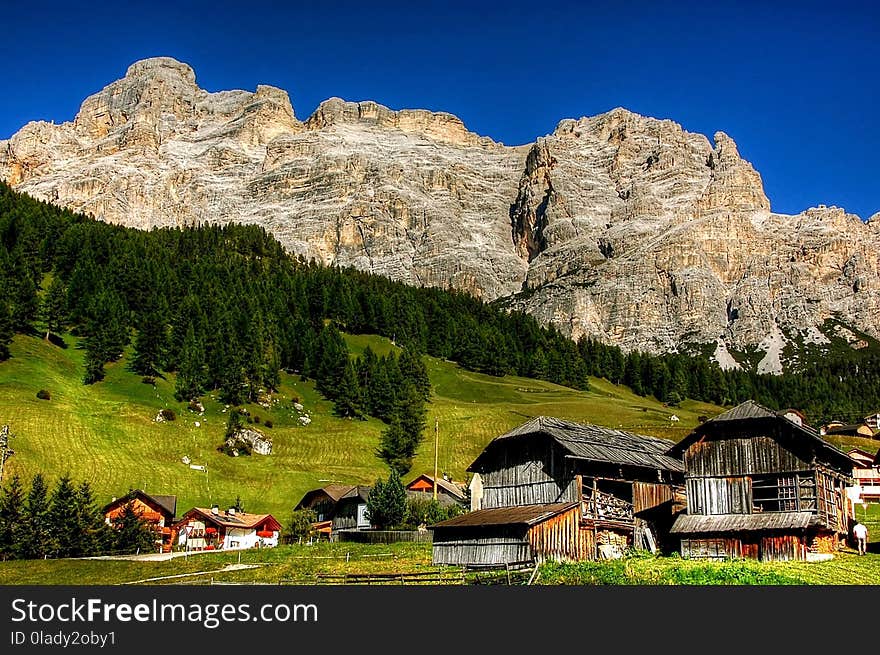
436 448
5 451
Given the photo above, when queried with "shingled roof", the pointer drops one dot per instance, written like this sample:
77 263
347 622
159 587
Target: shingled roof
526 515
596 443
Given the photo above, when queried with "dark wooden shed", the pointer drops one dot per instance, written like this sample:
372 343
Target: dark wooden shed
764 485
625 486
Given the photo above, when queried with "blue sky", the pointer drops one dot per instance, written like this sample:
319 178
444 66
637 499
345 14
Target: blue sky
794 83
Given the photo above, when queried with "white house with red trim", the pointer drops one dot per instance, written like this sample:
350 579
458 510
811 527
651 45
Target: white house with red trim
204 528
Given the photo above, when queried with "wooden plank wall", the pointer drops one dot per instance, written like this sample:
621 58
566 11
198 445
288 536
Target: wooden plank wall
711 548
719 495
648 495
783 548
529 472
460 548
740 456
562 538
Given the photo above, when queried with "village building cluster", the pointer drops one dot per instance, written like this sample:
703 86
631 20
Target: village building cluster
751 483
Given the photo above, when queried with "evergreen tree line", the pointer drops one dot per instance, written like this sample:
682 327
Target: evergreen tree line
36 523
226 309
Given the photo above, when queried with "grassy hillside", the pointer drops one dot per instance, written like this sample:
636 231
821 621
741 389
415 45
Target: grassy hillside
106 432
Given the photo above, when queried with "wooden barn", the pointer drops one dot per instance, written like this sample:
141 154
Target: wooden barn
512 535
618 489
764 485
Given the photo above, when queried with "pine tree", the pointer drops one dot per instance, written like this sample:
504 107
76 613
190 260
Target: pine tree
132 534
402 437
11 517
94 360
151 340
190 381
53 309
332 361
34 536
62 521
381 393
349 402
6 330
93 530
413 368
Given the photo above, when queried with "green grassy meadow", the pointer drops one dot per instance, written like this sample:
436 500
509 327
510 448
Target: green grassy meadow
303 564
105 433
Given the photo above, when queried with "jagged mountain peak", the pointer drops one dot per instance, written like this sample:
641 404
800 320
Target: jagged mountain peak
619 226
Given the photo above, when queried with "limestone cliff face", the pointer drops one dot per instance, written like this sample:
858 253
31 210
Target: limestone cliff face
617 226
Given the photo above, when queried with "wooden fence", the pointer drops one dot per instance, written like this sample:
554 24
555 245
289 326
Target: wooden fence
383 536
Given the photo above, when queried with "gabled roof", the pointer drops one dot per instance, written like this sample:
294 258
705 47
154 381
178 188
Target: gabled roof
334 492
360 491
242 520
526 515
596 443
751 411
862 456
450 487
164 502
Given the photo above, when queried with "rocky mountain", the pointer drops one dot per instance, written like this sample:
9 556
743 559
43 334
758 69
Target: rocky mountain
618 226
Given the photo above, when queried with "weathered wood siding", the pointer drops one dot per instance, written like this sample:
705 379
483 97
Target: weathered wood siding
496 545
711 548
768 548
783 548
648 495
528 472
833 505
740 456
719 495
562 538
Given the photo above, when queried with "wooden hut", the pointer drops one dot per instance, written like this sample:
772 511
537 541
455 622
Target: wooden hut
764 485
513 535
624 486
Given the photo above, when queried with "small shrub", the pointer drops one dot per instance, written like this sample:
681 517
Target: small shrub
256 419
148 380
168 414
249 419
195 406
42 394
268 423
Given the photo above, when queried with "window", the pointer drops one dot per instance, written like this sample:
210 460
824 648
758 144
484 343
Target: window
789 492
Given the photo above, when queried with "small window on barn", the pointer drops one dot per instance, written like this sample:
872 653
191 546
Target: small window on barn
781 493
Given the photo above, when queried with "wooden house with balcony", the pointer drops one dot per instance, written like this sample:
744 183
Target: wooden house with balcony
203 528
764 485
554 489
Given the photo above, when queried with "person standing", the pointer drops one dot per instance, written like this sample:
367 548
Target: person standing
860 532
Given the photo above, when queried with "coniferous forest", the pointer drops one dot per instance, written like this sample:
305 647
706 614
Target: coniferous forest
226 309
